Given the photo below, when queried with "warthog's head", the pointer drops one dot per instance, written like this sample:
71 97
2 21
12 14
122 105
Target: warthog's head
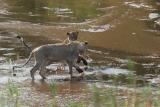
73 36
82 47
78 46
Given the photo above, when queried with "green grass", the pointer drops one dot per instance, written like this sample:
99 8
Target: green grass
75 104
12 89
10 96
52 88
99 97
103 97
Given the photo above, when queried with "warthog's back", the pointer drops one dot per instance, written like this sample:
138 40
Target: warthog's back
56 51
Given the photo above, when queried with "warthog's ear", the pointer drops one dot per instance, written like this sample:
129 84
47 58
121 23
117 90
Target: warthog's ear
86 43
68 33
19 37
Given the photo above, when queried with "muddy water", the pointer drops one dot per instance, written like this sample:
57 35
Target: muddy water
117 31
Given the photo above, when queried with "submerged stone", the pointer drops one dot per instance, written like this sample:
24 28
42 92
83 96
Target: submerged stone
107 73
115 71
154 15
157 22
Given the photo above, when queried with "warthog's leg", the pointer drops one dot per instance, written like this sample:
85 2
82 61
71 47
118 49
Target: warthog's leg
43 69
81 58
78 68
34 69
70 64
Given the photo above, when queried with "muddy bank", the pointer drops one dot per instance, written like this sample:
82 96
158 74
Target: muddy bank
106 31
111 39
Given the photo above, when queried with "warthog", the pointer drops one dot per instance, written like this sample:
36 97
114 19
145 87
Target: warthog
48 53
72 36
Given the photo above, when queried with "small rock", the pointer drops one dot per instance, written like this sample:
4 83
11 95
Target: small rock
14 75
153 15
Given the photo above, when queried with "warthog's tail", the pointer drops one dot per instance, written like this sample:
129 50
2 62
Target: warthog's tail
30 56
24 43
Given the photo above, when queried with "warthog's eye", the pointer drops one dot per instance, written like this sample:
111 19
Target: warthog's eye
18 37
68 33
86 43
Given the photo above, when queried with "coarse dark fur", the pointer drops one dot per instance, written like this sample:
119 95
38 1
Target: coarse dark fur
49 53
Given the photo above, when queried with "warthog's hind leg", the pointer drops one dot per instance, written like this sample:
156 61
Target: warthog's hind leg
43 69
34 69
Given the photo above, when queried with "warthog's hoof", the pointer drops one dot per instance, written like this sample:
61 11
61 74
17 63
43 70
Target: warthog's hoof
79 70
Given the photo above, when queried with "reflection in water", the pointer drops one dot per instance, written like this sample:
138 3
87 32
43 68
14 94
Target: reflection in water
54 11
61 87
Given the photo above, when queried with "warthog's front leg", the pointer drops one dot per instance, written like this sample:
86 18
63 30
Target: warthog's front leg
81 58
78 68
70 64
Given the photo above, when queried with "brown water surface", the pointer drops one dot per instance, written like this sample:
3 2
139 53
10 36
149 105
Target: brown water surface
118 31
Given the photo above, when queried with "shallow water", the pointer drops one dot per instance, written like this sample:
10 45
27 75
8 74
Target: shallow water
118 32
